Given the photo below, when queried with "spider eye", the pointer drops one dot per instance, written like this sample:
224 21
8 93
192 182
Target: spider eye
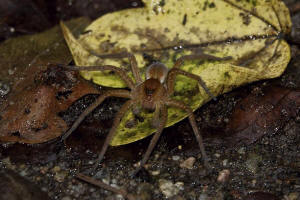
149 92
151 85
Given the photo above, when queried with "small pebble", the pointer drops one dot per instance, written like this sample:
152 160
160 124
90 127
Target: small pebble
119 197
44 170
188 163
11 71
293 196
203 196
132 183
168 188
217 155
225 162
22 166
104 180
155 173
156 156
114 185
175 158
223 176
77 190
60 176
114 181
252 162
23 173
253 182
4 89
8 164
137 164
91 162
56 169
242 150
180 185
12 29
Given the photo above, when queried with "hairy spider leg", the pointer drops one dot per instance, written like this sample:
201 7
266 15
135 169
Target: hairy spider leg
175 70
125 107
95 104
131 58
156 114
162 124
99 100
106 94
180 105
120 71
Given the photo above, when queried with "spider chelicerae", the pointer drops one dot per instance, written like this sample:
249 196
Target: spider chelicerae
154 94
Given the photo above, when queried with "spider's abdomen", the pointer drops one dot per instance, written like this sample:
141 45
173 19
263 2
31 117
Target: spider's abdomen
157 71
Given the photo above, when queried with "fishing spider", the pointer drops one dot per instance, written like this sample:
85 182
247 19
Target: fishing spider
153 94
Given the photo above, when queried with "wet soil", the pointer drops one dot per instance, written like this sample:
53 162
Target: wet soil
269 168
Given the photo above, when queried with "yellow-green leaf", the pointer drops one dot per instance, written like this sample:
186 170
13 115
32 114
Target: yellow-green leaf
164 30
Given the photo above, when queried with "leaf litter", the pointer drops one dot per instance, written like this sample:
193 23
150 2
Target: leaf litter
265 113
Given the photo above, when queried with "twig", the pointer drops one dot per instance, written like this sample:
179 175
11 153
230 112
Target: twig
105 186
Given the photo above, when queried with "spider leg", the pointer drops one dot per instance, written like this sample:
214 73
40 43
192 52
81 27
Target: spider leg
162 124
113 129
131 58
178 104
156 118
175 71
99 100
121 72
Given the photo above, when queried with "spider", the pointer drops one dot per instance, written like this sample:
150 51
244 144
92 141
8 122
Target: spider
153 94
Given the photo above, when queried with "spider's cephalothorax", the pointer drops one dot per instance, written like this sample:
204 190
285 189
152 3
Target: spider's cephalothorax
152 91
153 94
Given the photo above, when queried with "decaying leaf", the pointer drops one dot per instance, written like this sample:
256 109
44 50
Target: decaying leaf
256 116
29 111
22 57
248 31
33 117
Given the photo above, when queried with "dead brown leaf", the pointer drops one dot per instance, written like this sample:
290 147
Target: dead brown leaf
32 115
38 92
257 115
